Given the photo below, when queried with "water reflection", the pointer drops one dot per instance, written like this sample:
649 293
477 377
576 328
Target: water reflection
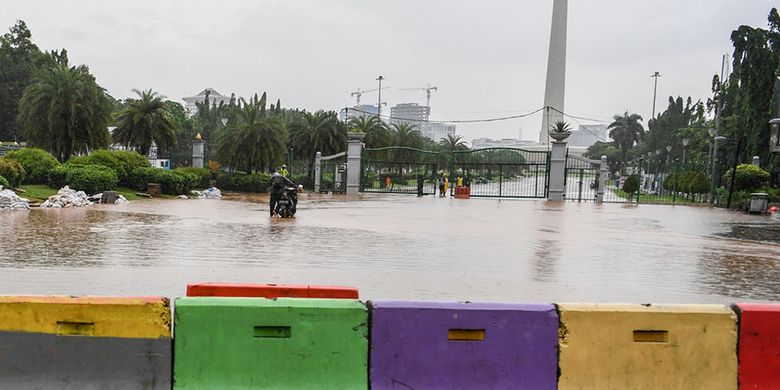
397 247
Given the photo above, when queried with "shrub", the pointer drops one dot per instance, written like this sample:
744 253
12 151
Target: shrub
12 170
303 179
203 176
88 178
631 185
749 177
670 182
121 161
36 162
171 182
4 182
258 182
699 183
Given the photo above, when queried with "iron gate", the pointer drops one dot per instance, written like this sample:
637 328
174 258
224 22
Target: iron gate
396 169
581 179
503 172
332 173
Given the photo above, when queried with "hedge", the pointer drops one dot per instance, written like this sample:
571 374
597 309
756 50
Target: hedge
12 170
121 161
258 182
171 182
36 162
204 176
88 178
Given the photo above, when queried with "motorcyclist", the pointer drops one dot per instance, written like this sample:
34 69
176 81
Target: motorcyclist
283 171
278 182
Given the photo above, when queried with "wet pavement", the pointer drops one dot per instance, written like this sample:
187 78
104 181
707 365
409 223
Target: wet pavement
399 246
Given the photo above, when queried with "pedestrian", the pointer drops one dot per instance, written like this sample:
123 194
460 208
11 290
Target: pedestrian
420 182
440 182
446 184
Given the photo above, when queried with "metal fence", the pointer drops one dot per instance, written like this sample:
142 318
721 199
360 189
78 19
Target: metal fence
582 179
503 172
662 182
396 169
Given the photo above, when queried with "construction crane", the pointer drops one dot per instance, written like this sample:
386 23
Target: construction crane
427 92
360 93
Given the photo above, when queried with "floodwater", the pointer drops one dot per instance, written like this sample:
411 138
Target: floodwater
399 246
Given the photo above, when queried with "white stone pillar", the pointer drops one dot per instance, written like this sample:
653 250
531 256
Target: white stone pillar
354 151
556 70
557 171
197 153
757 161
317 171
603 169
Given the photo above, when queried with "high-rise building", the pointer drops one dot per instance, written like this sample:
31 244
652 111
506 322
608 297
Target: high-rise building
409 113
357 111
587 135
214 98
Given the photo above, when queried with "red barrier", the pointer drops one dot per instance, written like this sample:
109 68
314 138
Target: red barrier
759 346
270 291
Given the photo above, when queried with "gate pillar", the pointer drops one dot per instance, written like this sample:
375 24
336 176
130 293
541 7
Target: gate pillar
354 149
317 172
603 169
557 171
197 152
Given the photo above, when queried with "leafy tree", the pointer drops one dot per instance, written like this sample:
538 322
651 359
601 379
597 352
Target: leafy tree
19 59
144 121
626 131
631 186
318 132
64 110
377 134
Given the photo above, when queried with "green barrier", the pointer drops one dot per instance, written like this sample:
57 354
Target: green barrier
283 343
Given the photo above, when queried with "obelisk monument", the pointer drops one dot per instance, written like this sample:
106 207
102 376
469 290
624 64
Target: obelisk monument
556 71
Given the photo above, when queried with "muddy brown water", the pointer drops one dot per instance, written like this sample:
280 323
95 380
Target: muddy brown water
396 246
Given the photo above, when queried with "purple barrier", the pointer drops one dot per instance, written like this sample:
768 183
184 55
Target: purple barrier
447 345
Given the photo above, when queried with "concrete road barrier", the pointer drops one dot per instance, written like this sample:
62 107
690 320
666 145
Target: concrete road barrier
612 346
270 291
759 346
285 343
443 345
58 342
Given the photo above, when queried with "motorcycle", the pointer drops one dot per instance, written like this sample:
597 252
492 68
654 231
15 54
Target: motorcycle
287 203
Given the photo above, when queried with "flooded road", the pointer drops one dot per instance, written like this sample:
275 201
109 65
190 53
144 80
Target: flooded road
399 246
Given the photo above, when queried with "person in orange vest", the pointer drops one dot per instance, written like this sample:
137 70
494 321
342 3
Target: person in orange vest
446 184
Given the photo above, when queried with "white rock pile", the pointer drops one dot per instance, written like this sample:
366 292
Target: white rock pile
67 198
210 193
9 201
121 200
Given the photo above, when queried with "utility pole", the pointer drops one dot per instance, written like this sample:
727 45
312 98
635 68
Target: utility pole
655 75
379 103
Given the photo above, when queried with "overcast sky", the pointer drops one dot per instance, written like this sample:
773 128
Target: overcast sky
488 58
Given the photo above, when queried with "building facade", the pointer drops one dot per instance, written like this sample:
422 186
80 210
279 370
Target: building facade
587 135
214 98
357 111
412 113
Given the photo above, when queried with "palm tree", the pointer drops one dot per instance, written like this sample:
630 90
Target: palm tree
405 134
318 132
377 134
64 110
255 141
145 121
453 143
626 131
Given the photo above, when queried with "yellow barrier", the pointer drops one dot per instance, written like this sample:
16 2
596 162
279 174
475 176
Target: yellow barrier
612 346
145 317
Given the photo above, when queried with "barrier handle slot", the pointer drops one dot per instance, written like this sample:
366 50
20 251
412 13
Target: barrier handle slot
75 328
651 336
466 334
272 332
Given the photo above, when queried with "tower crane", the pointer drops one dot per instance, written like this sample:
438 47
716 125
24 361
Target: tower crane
357 94
427 93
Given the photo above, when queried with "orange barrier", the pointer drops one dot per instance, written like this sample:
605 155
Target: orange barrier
462 192
270 291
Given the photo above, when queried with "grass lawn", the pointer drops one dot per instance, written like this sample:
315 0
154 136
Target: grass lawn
41 192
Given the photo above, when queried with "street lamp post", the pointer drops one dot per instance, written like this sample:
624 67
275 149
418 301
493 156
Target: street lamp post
715 163
712 132
379 103
668 154
685 143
